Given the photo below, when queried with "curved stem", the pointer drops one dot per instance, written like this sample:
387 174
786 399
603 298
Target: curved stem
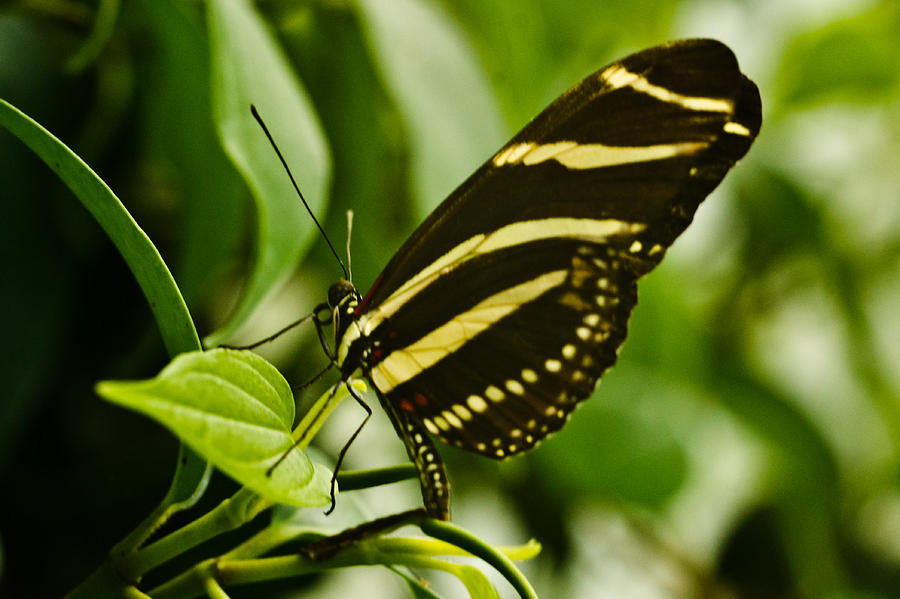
461 538
231 513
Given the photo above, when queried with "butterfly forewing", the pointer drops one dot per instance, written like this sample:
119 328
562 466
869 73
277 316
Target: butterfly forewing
624 149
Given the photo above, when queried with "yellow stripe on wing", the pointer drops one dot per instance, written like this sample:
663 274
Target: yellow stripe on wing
403 364
586 229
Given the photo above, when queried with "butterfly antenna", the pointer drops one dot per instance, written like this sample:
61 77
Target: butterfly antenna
349 234
297 188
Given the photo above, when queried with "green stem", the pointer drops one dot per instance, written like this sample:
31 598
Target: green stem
104 24
213 589
226 573
134 593
269 538
159 516
241 566
231 513
103 583
461 538
366 479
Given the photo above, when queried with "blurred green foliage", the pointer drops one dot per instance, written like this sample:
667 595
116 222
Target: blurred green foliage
748 442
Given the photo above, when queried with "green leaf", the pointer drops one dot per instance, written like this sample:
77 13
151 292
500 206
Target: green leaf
475 581
235 409
185 153
417 588
248 67
148 268
143 259
443 95
419 554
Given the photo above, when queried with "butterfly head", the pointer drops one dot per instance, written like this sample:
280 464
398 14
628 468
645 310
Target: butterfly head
341 294
343 298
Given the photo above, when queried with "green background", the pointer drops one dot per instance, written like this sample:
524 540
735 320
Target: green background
748 442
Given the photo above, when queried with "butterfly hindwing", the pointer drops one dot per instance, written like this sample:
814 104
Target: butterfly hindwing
510 384
422 453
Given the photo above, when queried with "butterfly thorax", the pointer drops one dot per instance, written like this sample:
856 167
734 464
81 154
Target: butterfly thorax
343 299
355 348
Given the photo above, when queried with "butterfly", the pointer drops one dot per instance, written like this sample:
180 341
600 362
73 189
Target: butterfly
506 305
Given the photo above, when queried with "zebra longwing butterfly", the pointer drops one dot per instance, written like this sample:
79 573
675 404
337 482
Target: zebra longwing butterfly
503 309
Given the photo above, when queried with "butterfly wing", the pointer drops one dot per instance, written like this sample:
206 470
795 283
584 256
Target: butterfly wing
503 309
503 373
653 134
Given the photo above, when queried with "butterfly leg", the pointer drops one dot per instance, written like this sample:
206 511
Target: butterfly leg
340 459
273 336
315 378
319 321
432 477
422 452
311 426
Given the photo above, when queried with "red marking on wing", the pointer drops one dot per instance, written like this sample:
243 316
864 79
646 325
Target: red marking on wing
406 405
364 304
375 356
421 399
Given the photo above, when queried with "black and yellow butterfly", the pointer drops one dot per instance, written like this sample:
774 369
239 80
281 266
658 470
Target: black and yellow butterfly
503 309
